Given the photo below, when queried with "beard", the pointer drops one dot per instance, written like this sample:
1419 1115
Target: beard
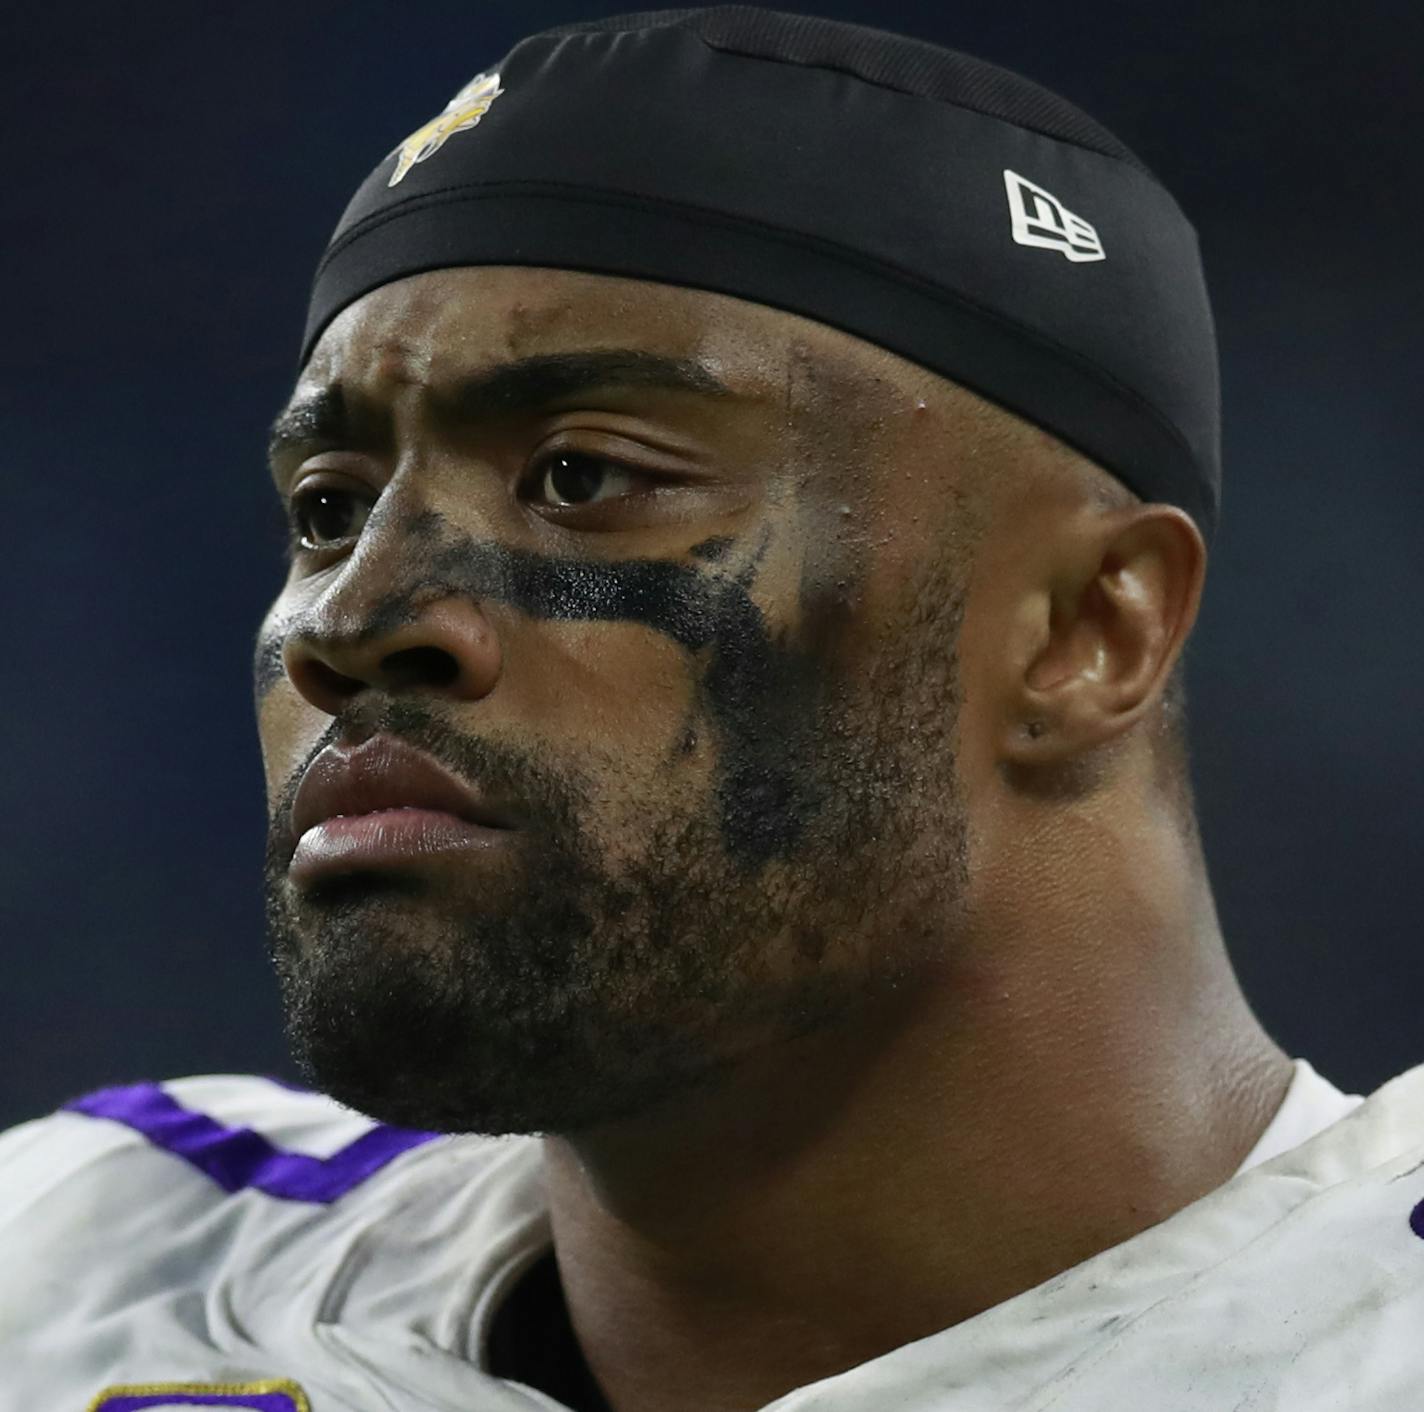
573 985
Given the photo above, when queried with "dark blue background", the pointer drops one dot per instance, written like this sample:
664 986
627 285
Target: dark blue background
170 175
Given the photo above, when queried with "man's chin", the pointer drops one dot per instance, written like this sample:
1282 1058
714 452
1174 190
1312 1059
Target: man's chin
405 1090
424 1057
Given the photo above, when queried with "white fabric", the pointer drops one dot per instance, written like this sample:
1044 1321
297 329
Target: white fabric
1310 1106
1296 1287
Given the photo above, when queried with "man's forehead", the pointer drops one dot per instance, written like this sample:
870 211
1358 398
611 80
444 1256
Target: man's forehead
445 323
442 326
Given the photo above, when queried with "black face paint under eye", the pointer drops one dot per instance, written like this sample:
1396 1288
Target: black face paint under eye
759 694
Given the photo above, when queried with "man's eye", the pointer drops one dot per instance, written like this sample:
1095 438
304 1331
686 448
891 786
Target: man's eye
320 516
572 478
313 509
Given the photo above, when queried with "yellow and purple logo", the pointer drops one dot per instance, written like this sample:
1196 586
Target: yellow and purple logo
276 1396
463 111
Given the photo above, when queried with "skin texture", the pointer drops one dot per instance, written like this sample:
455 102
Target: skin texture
854 955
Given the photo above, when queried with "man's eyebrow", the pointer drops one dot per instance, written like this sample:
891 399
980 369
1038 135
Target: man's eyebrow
522 386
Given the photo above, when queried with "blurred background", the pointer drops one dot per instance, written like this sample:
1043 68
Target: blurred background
171 174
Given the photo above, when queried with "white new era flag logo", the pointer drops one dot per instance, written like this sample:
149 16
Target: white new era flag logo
1040 218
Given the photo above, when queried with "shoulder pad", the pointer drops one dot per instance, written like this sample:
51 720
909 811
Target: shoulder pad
241 1131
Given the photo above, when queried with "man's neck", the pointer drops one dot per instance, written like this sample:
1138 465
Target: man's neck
846 1194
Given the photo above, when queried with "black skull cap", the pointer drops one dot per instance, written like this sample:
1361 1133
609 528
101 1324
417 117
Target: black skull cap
924 200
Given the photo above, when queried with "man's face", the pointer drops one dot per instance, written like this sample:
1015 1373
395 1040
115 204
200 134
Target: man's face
702 641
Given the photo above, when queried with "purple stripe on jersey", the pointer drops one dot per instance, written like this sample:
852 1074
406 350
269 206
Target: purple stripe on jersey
179 1397
238 1157
1416 1220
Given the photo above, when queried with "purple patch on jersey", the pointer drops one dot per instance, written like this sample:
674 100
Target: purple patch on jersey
1416 1220
238 1157
256 1401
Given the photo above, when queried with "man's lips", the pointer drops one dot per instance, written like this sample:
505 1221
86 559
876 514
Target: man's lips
384 773
392 838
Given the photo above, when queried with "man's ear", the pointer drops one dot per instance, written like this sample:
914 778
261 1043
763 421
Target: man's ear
1093 649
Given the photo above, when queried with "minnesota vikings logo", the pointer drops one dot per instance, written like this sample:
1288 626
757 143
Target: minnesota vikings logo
463 111
278 1396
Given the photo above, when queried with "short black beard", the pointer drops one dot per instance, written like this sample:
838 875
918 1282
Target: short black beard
573 999
573 994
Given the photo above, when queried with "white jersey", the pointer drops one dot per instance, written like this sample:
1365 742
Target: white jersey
227 1241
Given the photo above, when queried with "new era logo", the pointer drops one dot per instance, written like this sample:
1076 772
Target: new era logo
1041 219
